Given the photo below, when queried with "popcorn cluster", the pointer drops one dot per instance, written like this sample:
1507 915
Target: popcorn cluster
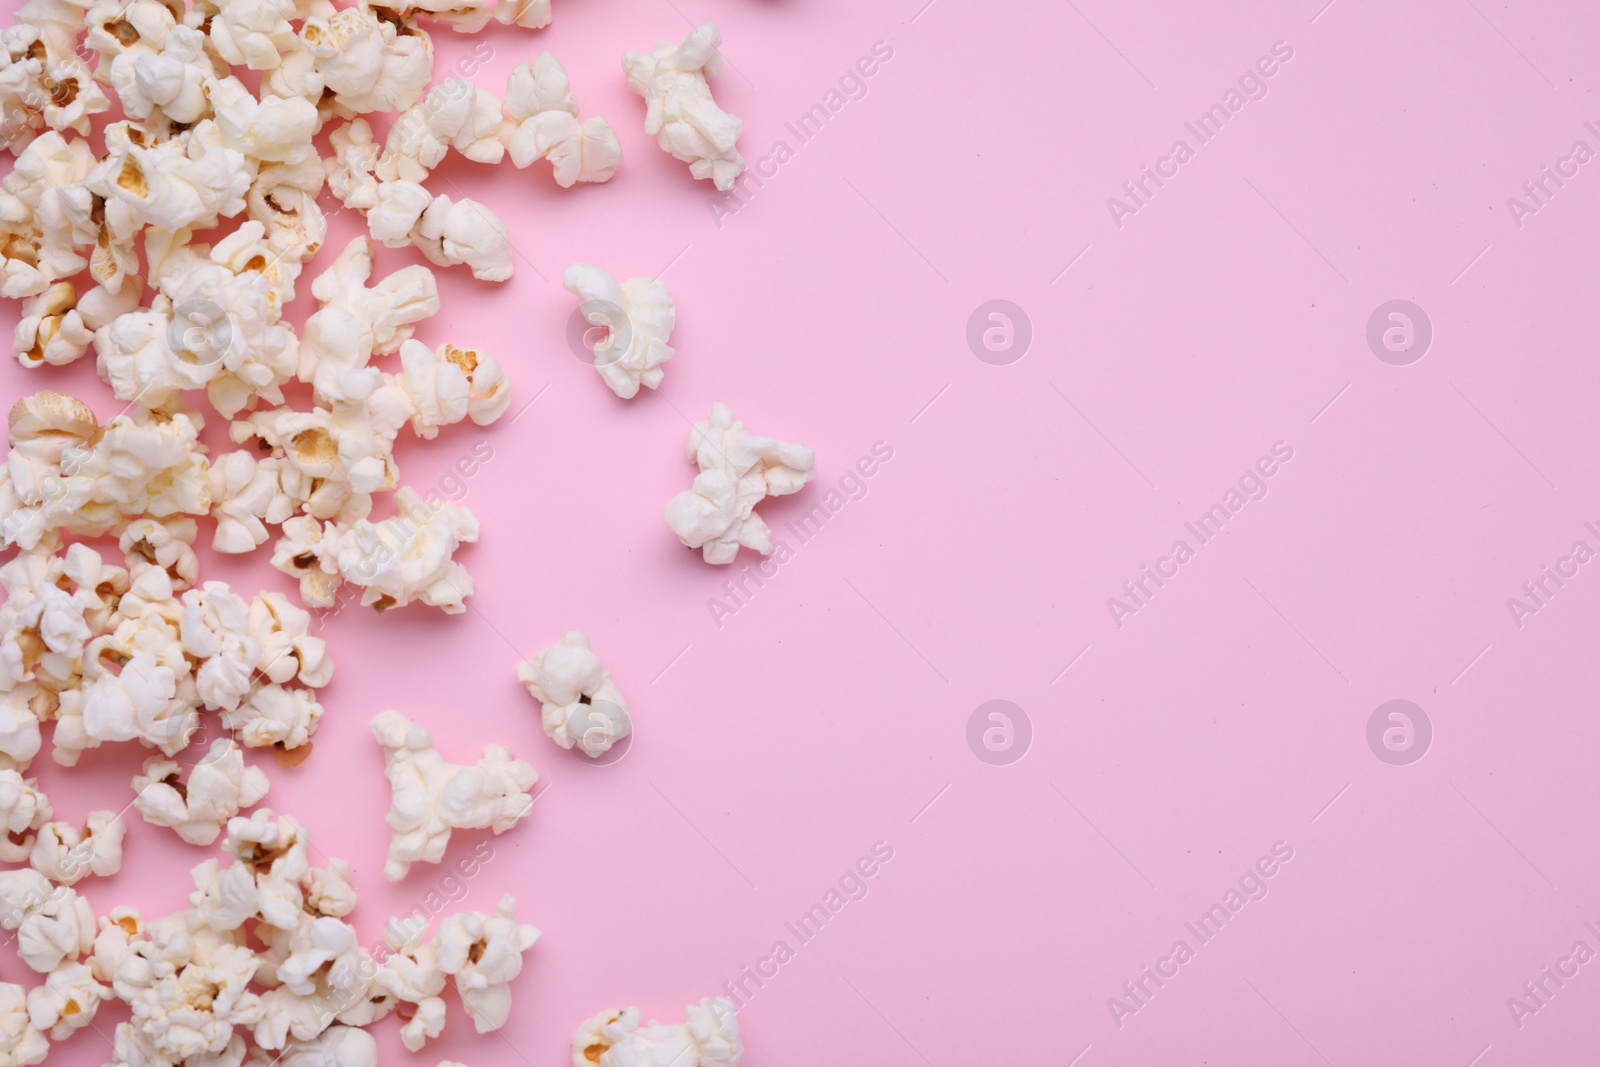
709 1038
581 706
737 471
108 250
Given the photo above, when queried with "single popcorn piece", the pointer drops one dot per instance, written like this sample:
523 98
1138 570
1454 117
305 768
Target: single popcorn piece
636 316
483 953
452 233
431 797
337 1046
53 924
411 556
23 809
710 1038
582 706
67 854
542 123
219 786
679 109
21 1043
67 1002
449 384
737 471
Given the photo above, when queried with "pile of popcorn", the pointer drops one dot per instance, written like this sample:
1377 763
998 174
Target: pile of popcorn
109 249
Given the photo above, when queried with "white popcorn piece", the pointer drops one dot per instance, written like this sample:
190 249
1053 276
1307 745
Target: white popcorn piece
21 1043
269 130
450 384
279 717
411 556
679 109
215 635
737 471
168 544
66 1002
51 329
369 63
246 495
53 924
184 182
165 87
581 705
529 14
355 158
636 318
465 232
219 786
337 1046
23 809
542 123
431 797
483 953
710 1038
252 33
288 650
411 974
67 854
355 321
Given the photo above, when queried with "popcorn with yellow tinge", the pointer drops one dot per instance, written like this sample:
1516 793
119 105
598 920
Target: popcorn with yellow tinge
67 1001
430 797
614 1038
679 109
21 1043
218 787
23 810
483 953
581 706
737 471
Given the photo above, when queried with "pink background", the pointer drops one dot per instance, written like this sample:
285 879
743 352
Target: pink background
830 711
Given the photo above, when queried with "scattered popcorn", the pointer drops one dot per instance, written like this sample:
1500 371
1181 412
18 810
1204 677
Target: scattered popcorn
543 123
737 471
678 106
637 317
432 797
710 1038
67 854
66 1002
483 953
219 786
582 706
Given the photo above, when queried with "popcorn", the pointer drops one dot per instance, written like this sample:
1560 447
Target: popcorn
218 787
184 182
710 1038
483 953
277 716
411 973
637 316
432 797
165 87
252 33
737 471
337 1046
452 233
409 557
582 706
543 121
447 385
66 1002
51 329
421 136
355 157
21 1043
23 809
529 14
66 854
53 924
679 109
369 63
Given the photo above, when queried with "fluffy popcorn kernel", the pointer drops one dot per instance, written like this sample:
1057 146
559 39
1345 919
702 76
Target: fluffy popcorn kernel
23 809
53 924
21 1043
410 557
66 1002
710 1038
636 316
219 786
483 953
431 797
679 109
465 232
449 384
337 1046
542 123
737 471
276 716
581 705
67 854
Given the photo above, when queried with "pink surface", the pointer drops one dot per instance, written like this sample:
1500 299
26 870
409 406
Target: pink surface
777 744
